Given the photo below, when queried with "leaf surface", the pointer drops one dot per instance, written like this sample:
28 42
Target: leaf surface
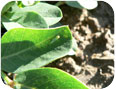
47 78
88 4
40 15
10 24
24 49
52 14
22 18
7 7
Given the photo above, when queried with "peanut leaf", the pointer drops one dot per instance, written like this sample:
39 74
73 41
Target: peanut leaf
88 4
52 14
24 49
40 15
47 78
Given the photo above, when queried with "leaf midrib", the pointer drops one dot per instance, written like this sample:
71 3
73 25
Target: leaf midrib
22 51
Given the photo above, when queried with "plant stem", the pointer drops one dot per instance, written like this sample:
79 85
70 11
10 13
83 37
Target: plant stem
7 79
60 3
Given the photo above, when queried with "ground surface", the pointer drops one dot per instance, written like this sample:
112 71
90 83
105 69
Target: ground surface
93 30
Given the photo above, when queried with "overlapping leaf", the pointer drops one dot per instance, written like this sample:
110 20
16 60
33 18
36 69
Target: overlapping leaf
10 24
52 14
7 7
40 15
24 49
47 78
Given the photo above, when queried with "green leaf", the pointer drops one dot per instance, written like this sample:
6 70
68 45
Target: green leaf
74 47
24 49
74 4
88 4
52 14
30 19
40 15
23 18
10 24
56 25
7 6
47 78
20 4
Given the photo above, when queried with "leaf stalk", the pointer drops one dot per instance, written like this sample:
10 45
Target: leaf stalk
7 80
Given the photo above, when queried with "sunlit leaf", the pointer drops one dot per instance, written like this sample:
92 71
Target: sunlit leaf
24 49
88 4
47 78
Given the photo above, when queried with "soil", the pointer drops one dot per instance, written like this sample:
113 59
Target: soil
93 63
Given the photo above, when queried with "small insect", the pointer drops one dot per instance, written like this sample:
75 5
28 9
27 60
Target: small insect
56 38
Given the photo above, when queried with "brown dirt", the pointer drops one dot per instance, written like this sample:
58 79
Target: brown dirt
93 30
